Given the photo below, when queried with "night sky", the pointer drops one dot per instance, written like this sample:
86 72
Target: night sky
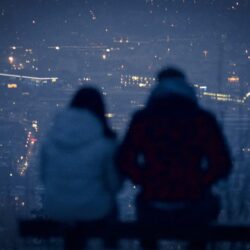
46 22
188 33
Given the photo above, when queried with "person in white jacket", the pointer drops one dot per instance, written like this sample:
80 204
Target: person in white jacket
77 162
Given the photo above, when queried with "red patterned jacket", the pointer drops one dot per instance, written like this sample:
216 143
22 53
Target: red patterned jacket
174 150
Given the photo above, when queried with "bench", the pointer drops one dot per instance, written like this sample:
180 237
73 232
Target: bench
74 234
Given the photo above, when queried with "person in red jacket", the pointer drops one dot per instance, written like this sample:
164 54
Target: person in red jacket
175 151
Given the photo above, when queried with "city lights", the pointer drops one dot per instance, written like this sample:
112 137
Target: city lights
233 79
50 50
140 81
109 115
11 85
53 79
205 52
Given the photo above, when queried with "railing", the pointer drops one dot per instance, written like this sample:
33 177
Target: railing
75 235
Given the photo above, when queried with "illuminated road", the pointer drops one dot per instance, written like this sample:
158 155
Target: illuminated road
53 79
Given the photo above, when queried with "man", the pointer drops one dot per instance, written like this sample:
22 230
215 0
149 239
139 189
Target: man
175 151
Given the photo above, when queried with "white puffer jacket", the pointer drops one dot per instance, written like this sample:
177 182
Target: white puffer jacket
77 168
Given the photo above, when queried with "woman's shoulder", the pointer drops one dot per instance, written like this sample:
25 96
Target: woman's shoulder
110 144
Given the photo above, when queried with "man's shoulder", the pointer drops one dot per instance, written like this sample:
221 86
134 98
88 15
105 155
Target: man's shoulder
206 113
208 118
141 115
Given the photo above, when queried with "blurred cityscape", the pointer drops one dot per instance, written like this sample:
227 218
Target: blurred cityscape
50 49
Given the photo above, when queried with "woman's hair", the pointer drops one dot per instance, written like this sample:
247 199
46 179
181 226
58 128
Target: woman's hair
90 99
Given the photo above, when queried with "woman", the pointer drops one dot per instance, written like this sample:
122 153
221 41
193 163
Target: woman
77 167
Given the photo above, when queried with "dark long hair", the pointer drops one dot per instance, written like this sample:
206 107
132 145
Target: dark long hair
90 99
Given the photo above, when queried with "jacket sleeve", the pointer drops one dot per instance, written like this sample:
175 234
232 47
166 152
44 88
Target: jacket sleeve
129 152
217 153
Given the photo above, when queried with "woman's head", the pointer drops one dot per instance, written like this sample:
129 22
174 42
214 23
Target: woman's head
90 99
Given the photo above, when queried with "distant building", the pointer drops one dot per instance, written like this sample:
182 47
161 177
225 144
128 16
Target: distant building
137 81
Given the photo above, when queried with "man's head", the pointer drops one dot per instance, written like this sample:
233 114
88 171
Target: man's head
170 73
172 81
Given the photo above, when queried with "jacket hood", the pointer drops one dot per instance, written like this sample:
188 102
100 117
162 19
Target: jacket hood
173 86
75 127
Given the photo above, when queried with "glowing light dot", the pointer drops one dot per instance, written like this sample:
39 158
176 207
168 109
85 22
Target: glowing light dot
11 59
205 52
